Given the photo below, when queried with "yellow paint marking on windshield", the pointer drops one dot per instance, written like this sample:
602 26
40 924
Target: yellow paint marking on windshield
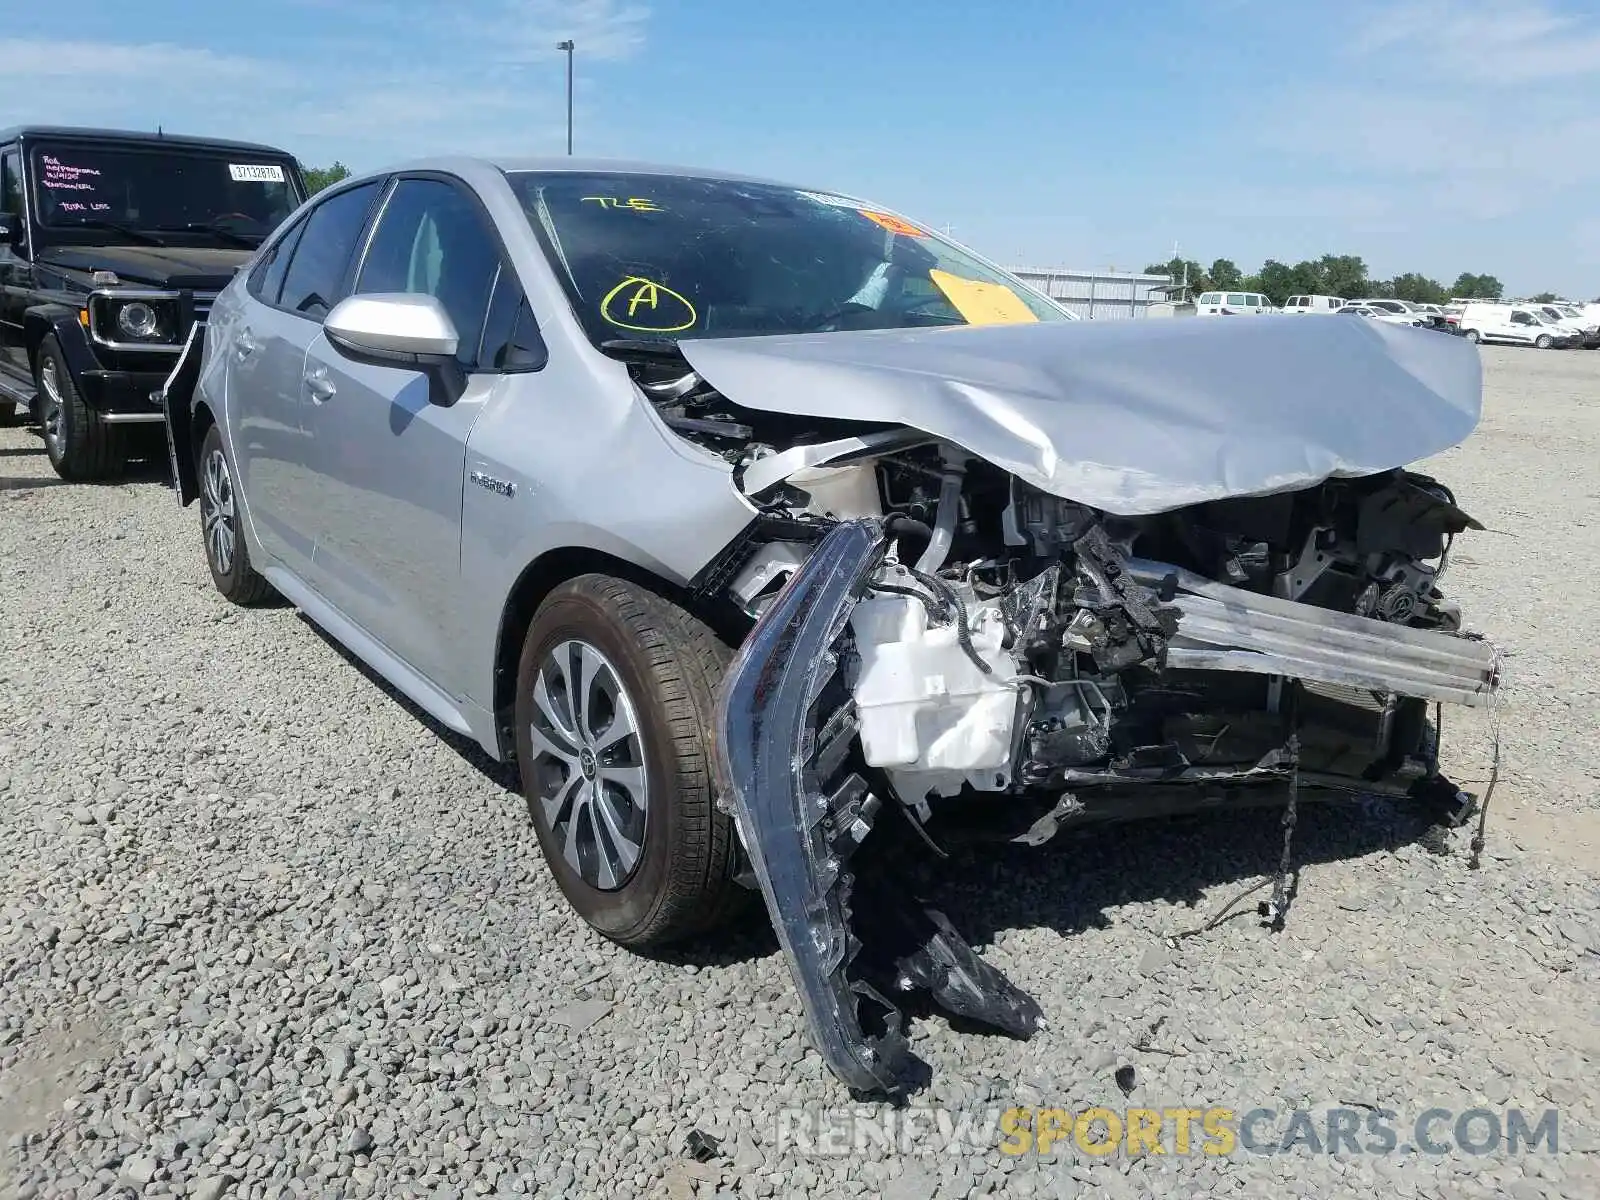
982 303
651 307
633 204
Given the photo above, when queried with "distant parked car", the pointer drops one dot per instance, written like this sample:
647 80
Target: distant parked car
1585 330
1231 304
1385 315
1313 304
1508 323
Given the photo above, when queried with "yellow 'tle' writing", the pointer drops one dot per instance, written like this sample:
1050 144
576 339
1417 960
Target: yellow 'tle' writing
636 203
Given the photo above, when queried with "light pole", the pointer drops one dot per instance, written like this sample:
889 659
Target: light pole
568 47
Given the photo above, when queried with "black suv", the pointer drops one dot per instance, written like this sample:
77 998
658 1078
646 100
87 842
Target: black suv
112 245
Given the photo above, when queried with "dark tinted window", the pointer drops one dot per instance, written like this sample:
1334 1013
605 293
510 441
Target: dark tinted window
431 240
266 277
151 187
11 182
511 340
317 269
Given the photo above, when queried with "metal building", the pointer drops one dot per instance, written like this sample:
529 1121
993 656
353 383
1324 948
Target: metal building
1098 295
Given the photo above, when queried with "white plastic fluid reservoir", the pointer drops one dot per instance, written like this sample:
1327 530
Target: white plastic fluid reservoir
923 704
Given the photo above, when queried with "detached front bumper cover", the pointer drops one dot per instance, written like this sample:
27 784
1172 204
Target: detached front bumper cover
768 762
786 730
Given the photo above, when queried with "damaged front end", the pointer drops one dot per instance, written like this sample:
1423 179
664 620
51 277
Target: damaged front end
986 646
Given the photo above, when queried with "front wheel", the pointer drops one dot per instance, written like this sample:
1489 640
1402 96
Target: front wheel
221 526
80 444
1472 336
1544 341
614 709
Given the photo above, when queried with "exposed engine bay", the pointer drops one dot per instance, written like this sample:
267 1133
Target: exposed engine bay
935 637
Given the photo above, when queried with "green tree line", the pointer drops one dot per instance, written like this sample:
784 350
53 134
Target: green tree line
1331 275
318 178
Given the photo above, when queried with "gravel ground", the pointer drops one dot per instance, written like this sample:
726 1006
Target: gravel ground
265 933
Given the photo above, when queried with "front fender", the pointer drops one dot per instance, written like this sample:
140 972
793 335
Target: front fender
42 320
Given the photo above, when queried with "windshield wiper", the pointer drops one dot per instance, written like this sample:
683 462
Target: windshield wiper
654 347
138 235
211 227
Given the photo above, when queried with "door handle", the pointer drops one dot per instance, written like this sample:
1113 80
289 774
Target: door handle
320 386
244 345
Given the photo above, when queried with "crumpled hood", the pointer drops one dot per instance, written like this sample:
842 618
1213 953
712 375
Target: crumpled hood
1136 416
201 268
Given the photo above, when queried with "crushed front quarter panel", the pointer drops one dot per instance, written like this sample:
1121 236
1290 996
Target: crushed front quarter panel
1131 417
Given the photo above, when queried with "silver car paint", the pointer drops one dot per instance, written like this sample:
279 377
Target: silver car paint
1132 417
592 465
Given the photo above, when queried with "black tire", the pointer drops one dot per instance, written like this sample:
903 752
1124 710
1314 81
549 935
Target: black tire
1472 336
8 412
668 663
1544 341
81 446
221 528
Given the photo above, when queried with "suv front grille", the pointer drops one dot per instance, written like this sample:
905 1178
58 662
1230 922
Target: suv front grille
202 304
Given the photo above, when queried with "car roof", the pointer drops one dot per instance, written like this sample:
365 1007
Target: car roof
90 134
550 164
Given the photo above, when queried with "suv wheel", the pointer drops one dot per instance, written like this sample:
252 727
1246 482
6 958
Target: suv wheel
226 552
81 446
613 717
1543 341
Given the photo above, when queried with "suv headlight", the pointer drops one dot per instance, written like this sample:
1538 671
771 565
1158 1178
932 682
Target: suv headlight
138 318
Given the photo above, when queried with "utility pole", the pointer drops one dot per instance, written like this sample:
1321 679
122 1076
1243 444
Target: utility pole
568 46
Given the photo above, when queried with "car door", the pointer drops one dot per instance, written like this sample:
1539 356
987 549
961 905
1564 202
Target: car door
16 271
389 462
291 288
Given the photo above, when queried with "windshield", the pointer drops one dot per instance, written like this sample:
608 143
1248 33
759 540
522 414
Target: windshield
216 196
653 256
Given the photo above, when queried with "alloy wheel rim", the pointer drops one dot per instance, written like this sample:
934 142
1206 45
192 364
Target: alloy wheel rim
588 767
217 512
50 410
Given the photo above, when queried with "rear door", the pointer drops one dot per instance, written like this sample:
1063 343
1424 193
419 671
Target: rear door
389 462
289 291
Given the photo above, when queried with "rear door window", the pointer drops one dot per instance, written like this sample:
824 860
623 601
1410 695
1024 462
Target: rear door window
266 279
314 282
1236 299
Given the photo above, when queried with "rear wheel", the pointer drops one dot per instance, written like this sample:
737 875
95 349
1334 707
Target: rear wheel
80 444
614 710
1472 336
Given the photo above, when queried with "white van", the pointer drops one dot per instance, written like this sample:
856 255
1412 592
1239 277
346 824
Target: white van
1313 304
1508 323
1232 304
1585 329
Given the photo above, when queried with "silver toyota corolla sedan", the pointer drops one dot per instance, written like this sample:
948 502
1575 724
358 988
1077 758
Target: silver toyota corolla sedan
780 541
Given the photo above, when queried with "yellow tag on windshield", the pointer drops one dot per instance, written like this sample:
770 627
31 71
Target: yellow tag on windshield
982 303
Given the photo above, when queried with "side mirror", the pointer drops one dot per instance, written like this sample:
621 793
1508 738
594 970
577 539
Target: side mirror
398 328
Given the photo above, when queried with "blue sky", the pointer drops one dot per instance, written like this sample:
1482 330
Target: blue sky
1429 135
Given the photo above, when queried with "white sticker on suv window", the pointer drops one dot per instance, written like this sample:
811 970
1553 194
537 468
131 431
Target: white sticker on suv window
255 172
